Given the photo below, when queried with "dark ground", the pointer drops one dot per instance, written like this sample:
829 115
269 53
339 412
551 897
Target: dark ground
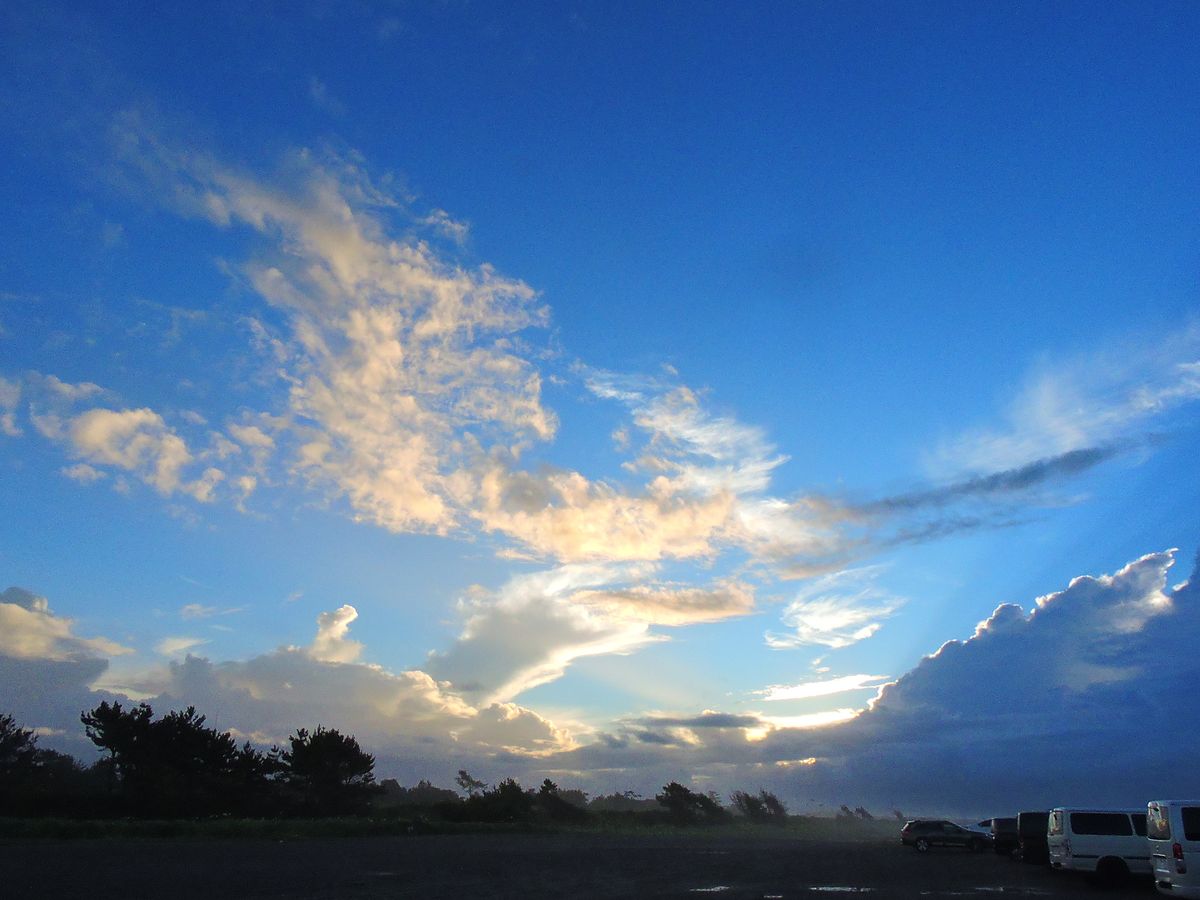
519 866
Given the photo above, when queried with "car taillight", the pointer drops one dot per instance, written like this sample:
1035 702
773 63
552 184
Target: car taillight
1180 865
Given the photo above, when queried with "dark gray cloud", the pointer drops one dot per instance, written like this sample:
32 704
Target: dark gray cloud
704 720
1022 478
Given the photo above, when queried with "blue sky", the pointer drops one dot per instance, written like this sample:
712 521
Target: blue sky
592 388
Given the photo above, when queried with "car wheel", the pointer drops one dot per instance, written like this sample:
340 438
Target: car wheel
922 845
1112 871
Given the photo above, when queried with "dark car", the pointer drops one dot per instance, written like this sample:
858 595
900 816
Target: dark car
1031 833
1005 837
925 833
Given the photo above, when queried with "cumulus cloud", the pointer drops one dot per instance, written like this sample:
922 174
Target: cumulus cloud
332 643
46 669
137 441
1095 667
1034 709
272 694
836 610
50 674
29 630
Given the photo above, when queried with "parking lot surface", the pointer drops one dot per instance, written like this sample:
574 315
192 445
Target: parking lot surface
522 866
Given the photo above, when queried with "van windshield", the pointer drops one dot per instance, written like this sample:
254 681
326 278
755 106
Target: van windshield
1101 823
1191 822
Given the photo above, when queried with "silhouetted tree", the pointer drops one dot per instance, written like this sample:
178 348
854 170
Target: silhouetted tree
177 765
686 806
334 774
422 794
471 786
18 751
761 807
554 804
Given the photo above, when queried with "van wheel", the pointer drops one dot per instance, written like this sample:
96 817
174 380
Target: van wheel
922 845
1112 871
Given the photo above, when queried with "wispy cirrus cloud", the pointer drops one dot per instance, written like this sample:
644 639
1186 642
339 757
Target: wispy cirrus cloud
10 398
806 690
836 610
1088 403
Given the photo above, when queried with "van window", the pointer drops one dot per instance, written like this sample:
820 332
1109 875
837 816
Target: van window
1139 823
1101 823
1032 824
1056 822
1191 822
1158 823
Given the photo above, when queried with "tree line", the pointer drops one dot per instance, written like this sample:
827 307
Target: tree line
177 766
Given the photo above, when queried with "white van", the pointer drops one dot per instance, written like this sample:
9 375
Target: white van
1108 842
1173 830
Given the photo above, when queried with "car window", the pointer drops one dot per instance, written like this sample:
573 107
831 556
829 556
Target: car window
1102 823
951 828
1191 823
1139 823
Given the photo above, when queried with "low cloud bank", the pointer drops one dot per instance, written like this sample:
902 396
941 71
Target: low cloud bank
1087 699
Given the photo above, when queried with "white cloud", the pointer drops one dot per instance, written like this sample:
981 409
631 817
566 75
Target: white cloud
836 610
566 516
10 397
83 473
1086 402
176 646
403 368
827 687
331 643
29 630
672 604
200 611
138 441
531 630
